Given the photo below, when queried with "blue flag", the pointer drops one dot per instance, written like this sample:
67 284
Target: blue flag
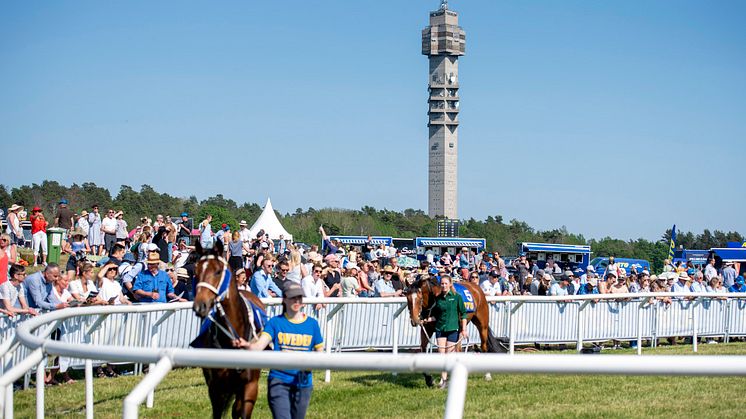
672 246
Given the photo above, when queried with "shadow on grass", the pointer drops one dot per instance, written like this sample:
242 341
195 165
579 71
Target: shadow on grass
405 380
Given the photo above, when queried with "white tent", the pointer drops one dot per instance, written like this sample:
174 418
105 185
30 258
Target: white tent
268 222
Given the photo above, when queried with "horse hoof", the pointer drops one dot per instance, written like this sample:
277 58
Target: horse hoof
488 377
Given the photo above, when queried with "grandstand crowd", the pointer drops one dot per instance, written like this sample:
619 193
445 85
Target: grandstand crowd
155 262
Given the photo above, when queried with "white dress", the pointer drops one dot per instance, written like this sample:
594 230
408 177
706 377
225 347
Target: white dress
95 236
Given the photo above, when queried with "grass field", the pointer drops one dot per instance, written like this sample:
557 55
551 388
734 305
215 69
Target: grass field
374 394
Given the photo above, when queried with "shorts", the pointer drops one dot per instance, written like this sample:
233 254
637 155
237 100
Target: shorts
451 336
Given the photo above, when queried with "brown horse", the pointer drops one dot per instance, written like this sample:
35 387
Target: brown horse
421 300
229 319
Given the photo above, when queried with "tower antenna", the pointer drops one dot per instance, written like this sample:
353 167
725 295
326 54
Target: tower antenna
443 4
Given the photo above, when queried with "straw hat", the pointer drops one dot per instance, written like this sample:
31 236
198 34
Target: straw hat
84 213
15 207
78 232
153 258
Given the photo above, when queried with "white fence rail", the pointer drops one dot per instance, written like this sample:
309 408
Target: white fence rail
138 334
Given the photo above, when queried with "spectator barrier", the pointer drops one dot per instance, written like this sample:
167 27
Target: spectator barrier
139 333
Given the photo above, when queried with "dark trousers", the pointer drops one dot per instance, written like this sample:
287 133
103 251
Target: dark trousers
287 401
109 240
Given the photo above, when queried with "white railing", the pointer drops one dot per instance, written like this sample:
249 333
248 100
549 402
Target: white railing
139 334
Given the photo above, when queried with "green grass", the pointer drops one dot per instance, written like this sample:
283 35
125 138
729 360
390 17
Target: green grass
375 394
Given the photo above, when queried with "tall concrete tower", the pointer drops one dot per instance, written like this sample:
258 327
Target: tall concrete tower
443 42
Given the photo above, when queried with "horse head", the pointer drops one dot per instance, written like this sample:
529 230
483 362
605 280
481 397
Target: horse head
420 297
210 273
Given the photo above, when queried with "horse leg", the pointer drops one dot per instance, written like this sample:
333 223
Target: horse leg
246 395
424 341
215 388
484 331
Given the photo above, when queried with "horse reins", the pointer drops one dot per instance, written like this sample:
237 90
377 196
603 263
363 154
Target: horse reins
221 292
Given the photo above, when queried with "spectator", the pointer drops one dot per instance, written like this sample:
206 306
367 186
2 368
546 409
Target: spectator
95 235
384 287
128 278
185 229
262 284
13 293
82 222
617 286
350 284
38 234
77 248
313 285
710 271
667 266
14 225
716 286
289 391
533 283
82 287
122 235
365 282
297 269
60 293
205 233
110 292
182 254
472 277
545 283
588 270
559 288
64 218
698 284
116 254
241 279
552 268
590 286
738 286
333 278
39 286
574 285
681 284
235 252
634 281
612 267
491 286
729 275
179 278
8 256
281 273
160 239
154 285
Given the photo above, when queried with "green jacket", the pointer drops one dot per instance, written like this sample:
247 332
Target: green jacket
448 311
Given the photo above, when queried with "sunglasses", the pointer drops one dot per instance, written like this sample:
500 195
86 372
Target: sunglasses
316 271
169 270
285 270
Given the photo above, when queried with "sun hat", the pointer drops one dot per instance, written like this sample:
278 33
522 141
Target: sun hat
182 273
153 258
331 257
590 268
291 289
152 247
264 245
84 213
36 209
388 269
15 207
611 273
242 223
683 275
240 271
78 232
569 273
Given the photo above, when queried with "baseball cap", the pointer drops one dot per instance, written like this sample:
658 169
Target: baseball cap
63 201
291 289
184 214
494 274
740 280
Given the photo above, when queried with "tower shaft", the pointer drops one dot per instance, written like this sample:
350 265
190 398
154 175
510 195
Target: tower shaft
443 42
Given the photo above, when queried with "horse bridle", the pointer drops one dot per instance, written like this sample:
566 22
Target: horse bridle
222 291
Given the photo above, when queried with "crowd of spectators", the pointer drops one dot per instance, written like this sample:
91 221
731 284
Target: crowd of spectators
155 262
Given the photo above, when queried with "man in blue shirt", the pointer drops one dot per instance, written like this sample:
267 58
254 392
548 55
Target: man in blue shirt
262 284
39 287
154 285
738 286
729 275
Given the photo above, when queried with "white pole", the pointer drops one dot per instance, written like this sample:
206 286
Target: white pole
156 374
8 396
327 342
639 329
40 389
459 377
695 337
511 338
154 343
88 389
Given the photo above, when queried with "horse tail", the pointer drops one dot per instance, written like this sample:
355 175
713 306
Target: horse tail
494 344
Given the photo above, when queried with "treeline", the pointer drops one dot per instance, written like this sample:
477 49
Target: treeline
304 223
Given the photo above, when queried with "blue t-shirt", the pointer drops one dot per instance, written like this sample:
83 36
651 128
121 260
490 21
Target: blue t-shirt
147 282
297 337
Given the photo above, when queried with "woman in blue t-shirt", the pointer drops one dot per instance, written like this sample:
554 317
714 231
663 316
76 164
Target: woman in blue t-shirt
289 391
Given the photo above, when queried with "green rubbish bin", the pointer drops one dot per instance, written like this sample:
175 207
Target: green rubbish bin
54 244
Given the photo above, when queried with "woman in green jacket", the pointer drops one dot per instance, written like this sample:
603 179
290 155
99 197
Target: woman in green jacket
449 315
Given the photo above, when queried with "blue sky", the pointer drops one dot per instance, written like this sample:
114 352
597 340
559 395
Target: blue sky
610 118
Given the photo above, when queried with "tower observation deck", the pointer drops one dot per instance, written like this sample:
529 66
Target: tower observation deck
443 42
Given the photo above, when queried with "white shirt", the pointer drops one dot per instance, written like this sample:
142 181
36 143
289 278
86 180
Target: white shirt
312 288
710 272
76 287
489 288
109 290
244 235
10 292
109 225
